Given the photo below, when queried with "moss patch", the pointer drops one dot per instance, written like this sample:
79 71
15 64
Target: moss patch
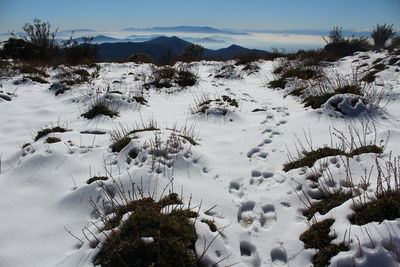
46 131
52 140
385 207
279 83
37 79
317 236
311 157
326 203
96 178
120 144
99 109
323 256
173 237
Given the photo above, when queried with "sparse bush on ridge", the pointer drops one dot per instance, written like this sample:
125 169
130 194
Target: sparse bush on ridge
46 131
385 205
248 57
192 53
97 178
206 105
41 47
326 88
317 236
140 58
381 34
351 144
37 79
51 140
99 108
167 77
137 233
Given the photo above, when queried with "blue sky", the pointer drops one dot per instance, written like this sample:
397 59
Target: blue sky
235 14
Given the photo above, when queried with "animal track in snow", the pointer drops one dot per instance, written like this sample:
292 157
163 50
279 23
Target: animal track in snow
267 130
268 217
246 214
267 175
278 256
265 142
263 155
252 152
235 187
281 122
249 254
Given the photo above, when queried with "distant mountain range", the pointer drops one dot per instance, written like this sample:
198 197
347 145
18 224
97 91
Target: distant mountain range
143 38
347 33
163 47
186 29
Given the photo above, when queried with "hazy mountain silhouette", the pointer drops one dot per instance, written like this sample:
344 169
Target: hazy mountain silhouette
162 48
186 29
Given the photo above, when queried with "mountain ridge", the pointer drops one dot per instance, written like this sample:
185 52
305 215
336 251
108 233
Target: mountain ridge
163 47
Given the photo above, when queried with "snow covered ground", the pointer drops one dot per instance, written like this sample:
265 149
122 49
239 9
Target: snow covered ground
237 165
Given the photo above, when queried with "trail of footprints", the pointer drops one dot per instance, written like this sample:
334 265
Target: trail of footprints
254 215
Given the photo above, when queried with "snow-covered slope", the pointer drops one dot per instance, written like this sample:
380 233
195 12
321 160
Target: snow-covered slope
237 164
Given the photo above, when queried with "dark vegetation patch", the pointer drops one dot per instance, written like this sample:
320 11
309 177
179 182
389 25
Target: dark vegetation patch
326 203
46 131
376 61
379 67
29 69
167 76
140 58
52 140
221 104
309 158
323 256
144 129
97 178
26 145
393 61
316 101
300 73
365 149
210 224
189 139
185 78
279 83
5 97
173 235
118 145
93 132
248 57
99 109
370 76
298 91
140 99
385 207
37 79
62 90
317 237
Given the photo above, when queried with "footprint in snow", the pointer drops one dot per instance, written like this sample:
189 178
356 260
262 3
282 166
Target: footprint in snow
236 188
246 213
265 142
281 122
249 254
252 152
279 256
268 216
